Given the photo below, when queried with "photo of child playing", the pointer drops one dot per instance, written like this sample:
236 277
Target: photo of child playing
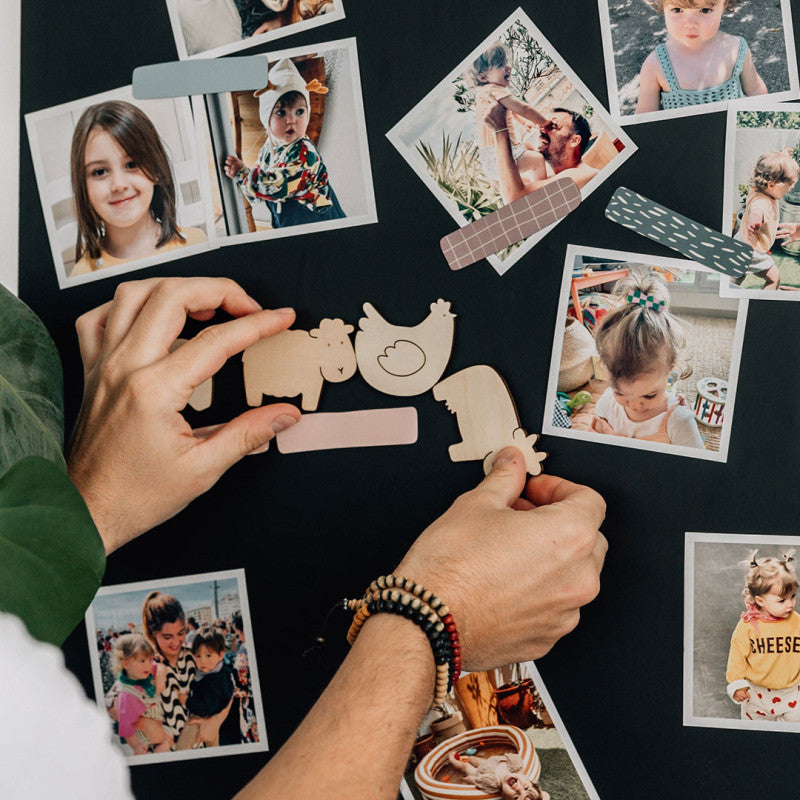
762 200
742 633
641 359
216 27
673 55
166 698
120 184
496 735
289 174
512 96
279 152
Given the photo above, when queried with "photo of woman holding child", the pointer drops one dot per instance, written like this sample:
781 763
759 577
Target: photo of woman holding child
762 200
165 696
675 57
645 355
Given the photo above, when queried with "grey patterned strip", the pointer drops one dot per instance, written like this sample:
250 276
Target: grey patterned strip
695 241
511 223
199 76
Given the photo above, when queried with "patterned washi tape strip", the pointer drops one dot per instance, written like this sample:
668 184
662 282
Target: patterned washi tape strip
693 240
199 76
511 223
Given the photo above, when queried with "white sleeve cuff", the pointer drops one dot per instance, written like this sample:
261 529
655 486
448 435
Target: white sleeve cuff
734 686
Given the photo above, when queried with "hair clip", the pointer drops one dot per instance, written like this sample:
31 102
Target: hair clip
639 298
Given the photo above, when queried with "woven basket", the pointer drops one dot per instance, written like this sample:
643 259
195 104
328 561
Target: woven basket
576 356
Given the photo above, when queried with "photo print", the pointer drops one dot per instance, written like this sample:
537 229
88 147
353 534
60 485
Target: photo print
645 354
741 632
508 119
174 667
496 735
121 184
652 48
762 199
292 157
209 28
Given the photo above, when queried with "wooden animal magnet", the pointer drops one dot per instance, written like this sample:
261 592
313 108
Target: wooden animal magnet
202 395
404 361
487 418
296 362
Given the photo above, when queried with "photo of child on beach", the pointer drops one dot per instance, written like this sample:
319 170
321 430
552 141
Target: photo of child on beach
509 119
667 58
173 664
762 199
742 633
120 184
291 157
210 28
496 735
645 355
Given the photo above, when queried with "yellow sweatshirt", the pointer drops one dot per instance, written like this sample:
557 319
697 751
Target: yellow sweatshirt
769 658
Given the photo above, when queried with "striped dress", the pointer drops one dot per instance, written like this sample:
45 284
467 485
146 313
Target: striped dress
178 680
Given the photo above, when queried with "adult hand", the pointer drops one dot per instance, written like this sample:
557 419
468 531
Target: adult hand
788 231
514 571
133 456
208 727
233 165
494 115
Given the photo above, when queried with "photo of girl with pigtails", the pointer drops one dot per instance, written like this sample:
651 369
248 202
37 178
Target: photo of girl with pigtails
645 355
742 633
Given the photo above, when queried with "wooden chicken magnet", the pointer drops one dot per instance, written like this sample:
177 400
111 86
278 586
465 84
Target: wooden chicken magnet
298 362
487 418
404 361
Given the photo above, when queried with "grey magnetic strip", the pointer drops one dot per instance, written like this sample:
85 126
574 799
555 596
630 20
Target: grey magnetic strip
200 76
693 240
511 223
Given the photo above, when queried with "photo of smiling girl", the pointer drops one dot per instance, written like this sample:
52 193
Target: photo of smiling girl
120 182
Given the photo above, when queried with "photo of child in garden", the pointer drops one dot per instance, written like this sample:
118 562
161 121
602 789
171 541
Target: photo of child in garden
215 27
498 732
174 667
291 157
120 183
762 200
742 633
512 96
676 57
645 355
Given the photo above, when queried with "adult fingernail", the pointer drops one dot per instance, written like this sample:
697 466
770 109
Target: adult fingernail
507 455
283 310
282 423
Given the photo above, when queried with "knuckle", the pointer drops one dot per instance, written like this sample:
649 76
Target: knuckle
126 290
212 336
140 385
167 287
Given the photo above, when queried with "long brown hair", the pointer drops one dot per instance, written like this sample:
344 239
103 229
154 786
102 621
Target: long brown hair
158 610
133 131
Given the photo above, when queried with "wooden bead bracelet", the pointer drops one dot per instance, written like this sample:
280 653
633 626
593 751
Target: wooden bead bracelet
402 596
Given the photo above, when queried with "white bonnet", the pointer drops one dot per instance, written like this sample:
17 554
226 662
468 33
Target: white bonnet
283 77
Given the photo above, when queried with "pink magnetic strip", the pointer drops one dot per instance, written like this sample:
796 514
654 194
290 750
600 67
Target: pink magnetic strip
367 428
511 223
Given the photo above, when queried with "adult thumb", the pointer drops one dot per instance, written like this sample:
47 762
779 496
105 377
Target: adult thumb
506 480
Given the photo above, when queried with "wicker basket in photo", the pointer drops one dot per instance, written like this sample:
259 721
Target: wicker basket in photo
576 356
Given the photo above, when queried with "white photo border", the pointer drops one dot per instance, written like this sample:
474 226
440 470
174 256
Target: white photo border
262 745
692 538
371 214
630 148
618 441
253 41
758 104
538 682
705 108
183 105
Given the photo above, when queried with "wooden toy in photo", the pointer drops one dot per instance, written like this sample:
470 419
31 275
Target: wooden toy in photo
296 362
404 361
487 418
202 395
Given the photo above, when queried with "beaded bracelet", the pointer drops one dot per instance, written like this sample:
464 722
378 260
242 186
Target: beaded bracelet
402 596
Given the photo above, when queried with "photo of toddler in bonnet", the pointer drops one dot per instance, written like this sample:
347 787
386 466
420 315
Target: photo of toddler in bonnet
639 358
677 57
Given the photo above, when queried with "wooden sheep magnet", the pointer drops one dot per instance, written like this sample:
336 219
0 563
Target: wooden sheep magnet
404 361
487 418
297 362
